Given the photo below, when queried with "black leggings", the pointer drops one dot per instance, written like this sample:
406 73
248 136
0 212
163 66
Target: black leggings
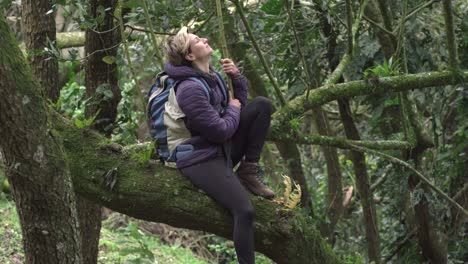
222 184
253 128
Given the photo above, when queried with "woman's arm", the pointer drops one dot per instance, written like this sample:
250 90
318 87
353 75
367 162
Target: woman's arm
202 117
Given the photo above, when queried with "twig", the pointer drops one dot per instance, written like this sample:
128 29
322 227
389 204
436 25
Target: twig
401 31
344 62
378 25
204 22
259 52
416 172
417 9
149 31
414 11
152 37
299 49
349 23
400 245
129 61
222 36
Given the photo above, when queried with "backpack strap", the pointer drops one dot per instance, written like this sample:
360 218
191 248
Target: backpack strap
204 84
161 83
224 88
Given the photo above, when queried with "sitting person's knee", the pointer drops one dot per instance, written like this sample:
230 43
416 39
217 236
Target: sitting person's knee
248 213
263 103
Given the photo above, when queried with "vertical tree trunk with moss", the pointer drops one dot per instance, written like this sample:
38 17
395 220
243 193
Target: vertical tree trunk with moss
34 163
38 27
357 158
334 209
428 238
101 85
363 185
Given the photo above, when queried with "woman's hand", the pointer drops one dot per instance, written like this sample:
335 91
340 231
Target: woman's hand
233 101
229 67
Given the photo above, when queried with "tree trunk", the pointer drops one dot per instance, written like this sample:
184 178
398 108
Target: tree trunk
387 42
35 163
429 240
100 76
39 33
335 186
362 179
358 158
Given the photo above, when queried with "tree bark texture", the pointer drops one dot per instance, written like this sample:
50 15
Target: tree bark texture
428 237
334 183
429 241
160 194
89 216
35 163
101 76
387 42
357 158
38 26
363 185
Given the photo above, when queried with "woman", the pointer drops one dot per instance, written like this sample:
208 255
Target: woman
214 128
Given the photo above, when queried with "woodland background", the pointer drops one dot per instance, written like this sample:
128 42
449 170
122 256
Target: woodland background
371 122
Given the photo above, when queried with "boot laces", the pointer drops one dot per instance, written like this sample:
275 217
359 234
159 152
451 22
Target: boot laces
260 175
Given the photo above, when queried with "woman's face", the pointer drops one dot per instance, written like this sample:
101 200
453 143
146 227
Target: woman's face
199 49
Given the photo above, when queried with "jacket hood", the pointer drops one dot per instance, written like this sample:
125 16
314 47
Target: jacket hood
180 72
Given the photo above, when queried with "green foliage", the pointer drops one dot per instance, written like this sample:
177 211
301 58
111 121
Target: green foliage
72 96
226 254
143 157
127 118
141 249
85 122
387 69
11 250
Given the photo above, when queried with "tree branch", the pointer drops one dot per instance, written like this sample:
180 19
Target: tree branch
160 194
341 143
328 93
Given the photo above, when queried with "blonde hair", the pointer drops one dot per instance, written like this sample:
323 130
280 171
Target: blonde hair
177 47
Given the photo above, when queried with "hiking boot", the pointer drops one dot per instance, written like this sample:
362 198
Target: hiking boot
250 175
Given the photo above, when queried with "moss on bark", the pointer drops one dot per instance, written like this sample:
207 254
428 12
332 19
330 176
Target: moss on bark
160 194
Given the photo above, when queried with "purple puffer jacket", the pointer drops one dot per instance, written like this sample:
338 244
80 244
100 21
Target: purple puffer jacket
209 130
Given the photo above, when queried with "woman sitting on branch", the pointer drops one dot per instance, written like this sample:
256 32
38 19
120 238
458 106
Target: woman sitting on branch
222 134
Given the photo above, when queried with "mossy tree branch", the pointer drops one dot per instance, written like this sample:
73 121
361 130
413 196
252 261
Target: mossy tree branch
160 194
341 143
328 93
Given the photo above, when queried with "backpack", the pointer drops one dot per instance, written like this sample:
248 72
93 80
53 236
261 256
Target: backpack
167 125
